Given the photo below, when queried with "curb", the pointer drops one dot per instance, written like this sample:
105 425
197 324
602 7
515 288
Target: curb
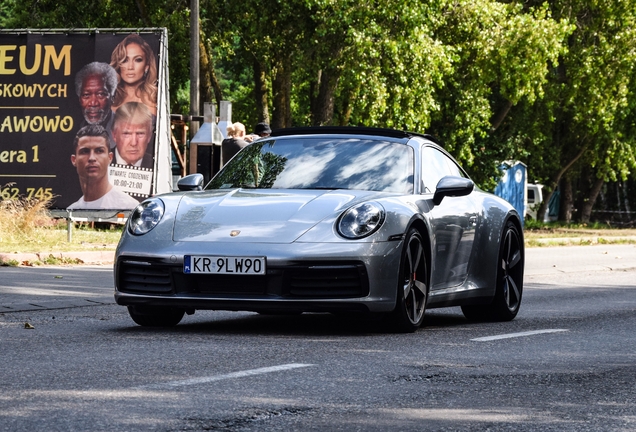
590 240
88 257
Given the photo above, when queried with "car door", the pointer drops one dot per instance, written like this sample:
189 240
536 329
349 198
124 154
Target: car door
453 221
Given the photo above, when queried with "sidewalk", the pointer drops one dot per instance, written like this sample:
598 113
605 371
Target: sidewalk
568 259
86 257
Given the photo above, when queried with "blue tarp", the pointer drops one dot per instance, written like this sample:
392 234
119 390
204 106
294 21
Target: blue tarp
512 186
554 204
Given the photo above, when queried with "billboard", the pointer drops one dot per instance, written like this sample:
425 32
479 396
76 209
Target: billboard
84 117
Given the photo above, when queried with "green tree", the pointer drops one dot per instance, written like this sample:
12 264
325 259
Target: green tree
585 125
54 14
260 40
378 66
502 54
494 80
443 66
7 9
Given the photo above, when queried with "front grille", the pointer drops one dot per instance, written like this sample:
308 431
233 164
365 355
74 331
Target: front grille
302 280
327 281
144 277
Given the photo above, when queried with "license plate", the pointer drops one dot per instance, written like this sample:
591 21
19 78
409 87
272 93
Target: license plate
224 265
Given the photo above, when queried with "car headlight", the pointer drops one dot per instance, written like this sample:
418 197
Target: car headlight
361 220
146 216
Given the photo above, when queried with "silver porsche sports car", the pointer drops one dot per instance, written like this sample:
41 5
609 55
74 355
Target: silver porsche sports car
328 219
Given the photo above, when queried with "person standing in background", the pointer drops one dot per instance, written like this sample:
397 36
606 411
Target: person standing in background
261 130
234 142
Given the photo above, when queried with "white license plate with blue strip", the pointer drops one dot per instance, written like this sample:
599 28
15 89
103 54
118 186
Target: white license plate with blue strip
205 264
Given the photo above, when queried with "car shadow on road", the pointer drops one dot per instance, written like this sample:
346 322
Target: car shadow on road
312 324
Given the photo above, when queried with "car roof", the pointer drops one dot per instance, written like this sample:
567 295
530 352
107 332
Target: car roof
350 130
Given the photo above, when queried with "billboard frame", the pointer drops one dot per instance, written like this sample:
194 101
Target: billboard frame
162 173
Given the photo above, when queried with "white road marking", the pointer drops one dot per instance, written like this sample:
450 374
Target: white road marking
240 374
514 335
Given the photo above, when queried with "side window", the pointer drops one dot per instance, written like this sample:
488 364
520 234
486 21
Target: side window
435 165
454 169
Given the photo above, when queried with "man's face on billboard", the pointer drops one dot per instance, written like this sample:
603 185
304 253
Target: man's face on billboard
95 99
92 158
132 140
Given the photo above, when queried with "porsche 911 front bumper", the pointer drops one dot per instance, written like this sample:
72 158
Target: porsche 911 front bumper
331 277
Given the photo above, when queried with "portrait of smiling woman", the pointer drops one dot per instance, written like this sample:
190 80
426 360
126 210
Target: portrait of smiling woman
136 65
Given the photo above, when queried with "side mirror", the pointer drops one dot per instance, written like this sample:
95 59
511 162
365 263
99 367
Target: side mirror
192 182
453 187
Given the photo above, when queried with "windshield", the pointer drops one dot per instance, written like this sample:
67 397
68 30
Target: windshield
320 163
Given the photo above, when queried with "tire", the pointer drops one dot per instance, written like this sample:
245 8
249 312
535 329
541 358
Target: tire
412 287
154 316
507 300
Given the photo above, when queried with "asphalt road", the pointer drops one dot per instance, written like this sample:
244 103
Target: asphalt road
567 363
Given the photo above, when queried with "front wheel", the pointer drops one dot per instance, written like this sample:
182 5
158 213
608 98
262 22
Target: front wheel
412 289
505 305
155 316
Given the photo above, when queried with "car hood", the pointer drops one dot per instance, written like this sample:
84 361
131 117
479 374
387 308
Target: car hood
258 215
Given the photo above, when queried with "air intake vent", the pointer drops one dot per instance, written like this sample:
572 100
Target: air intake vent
327 281
143 278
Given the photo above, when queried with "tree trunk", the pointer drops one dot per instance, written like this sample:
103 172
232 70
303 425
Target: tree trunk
501 115
280 105
586 210
543 207
626 198
281 87
314 85
567 201
141 6
554 181
582 187
209 83
260 92
287 83
347 108
324 107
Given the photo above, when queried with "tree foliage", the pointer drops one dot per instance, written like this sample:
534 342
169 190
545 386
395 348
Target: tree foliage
449 67
548 82
584 124
502 53
67 14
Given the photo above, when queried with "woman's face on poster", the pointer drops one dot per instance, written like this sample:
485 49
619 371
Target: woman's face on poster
134 66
